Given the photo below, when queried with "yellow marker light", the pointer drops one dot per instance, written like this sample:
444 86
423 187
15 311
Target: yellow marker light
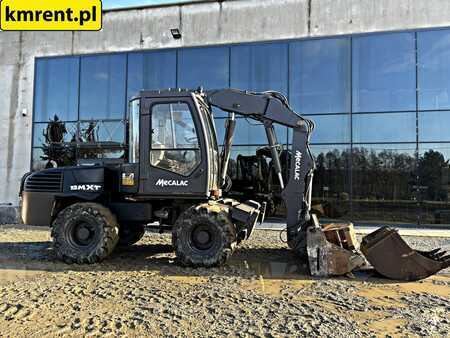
128 179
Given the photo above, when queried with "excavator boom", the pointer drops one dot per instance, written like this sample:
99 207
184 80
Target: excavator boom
269 108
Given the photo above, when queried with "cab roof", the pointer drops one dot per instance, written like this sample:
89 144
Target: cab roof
169 92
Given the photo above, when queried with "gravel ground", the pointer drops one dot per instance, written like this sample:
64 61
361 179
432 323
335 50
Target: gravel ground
263 291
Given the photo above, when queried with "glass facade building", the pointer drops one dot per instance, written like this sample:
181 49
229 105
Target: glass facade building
381 104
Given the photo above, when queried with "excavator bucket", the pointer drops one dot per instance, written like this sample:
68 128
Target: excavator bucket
393 258
330 259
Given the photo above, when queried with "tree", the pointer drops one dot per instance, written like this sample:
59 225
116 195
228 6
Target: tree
430 168
57 153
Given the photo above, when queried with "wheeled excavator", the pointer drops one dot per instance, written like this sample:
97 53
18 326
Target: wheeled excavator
174 178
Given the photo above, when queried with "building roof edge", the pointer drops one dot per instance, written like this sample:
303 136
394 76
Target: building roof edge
174 4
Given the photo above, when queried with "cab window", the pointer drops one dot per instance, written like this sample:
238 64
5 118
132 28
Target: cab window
174 138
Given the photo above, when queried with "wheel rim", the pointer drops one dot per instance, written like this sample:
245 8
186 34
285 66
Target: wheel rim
83 234
202 238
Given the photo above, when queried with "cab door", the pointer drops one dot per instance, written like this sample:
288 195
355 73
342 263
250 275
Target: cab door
173 150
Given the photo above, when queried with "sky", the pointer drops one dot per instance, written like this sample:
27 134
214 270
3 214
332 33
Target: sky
127 3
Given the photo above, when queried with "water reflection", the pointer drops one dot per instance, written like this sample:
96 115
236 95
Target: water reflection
271 269
64 143
57 152
390 183
384 183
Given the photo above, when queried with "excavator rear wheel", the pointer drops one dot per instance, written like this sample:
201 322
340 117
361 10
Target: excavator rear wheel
204 236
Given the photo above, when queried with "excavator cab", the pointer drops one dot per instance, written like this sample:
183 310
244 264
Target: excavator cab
173 143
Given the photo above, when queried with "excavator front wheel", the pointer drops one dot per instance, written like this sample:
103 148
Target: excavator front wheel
204 236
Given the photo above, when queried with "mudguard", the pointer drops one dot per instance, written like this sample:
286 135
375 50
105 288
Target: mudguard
41 190
247 213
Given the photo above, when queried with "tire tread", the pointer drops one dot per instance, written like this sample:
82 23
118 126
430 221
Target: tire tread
215 214
107 242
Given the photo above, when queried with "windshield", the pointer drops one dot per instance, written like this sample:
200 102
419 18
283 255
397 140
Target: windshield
133 135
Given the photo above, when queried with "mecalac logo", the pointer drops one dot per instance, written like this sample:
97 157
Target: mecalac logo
171 183
85 187
298 163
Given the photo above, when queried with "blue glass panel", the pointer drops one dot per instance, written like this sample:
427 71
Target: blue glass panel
384 73
331 129
243 150
260 67
38 161
384 179
153 70
219 112
392 127
53 155
434 181
232 165
102 132
102 91
320 76
56 89
249 132
45 133
442 148
434 69
331 184
99 155
207 67
434 126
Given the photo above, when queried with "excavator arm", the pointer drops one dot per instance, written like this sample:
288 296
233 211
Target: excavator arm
384 248
269 108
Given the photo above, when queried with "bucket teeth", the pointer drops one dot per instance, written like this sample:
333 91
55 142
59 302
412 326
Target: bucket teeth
446 261
393 258
434 254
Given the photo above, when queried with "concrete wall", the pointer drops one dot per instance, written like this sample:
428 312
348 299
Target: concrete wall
201 24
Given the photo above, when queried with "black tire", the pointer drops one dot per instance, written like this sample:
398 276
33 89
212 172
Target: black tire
85 233
130 234
204 236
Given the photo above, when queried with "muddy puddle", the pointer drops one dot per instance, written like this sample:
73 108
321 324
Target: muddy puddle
13 271
12 275
271 269
387 291
436 285
273 277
